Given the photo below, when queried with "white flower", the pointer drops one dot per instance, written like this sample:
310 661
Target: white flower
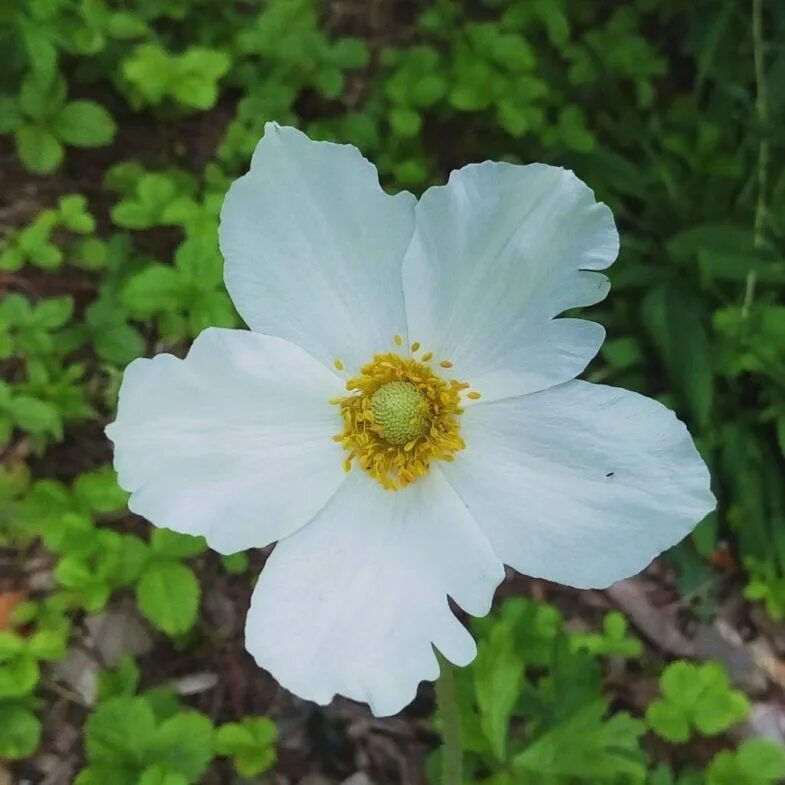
428 488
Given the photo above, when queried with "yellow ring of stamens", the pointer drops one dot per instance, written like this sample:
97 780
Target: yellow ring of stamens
400 416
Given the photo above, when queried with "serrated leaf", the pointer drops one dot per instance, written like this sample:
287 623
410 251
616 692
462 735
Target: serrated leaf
168 595
587 746
108 739
183 744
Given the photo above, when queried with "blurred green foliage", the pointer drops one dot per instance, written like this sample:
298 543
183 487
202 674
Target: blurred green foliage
669 109
533 708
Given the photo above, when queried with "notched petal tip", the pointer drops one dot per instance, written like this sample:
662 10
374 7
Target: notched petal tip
239 426
366 623
297 232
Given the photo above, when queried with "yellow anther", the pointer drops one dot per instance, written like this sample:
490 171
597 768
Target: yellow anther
338 364
445 364
416 346
398 340
475 396
427 357
398 417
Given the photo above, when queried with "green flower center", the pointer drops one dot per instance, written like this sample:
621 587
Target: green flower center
400 412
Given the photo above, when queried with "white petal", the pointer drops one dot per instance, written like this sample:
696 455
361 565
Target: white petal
496 254
314 247
233 443
352 603
581 484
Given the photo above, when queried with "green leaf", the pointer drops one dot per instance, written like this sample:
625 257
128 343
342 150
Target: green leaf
756 762
183 744
84 124
153 195
91 253
695 696
20 732
75 215
405 122
200 262
722 237
154 289
47 645
586 746
176 546
99 492
119 683
672 316
41 100
119 732
235 563
37 417
91 588
114 338
669 721
11 645
41 50
160 775
53 312
119 343
39 150
18 676
198 71
498 680
150 70
168 595
10 116
249 743
101 773
612 642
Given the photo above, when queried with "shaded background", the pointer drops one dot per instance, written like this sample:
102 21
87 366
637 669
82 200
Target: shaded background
121 126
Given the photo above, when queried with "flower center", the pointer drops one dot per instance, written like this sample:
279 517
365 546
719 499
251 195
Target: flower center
400 412
399 416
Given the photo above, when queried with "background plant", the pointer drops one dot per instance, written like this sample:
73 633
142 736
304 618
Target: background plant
121 125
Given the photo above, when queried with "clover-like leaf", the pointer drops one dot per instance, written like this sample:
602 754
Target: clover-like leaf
695 696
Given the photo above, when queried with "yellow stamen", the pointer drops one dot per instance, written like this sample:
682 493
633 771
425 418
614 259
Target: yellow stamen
338 364
399 416
427 357
398 340
416 346
475 396
445 364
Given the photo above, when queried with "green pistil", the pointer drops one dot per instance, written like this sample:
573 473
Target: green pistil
400 412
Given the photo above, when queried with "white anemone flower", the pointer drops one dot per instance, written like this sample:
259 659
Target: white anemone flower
403 415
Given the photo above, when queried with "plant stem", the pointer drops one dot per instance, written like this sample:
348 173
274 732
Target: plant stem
761 109
447 704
